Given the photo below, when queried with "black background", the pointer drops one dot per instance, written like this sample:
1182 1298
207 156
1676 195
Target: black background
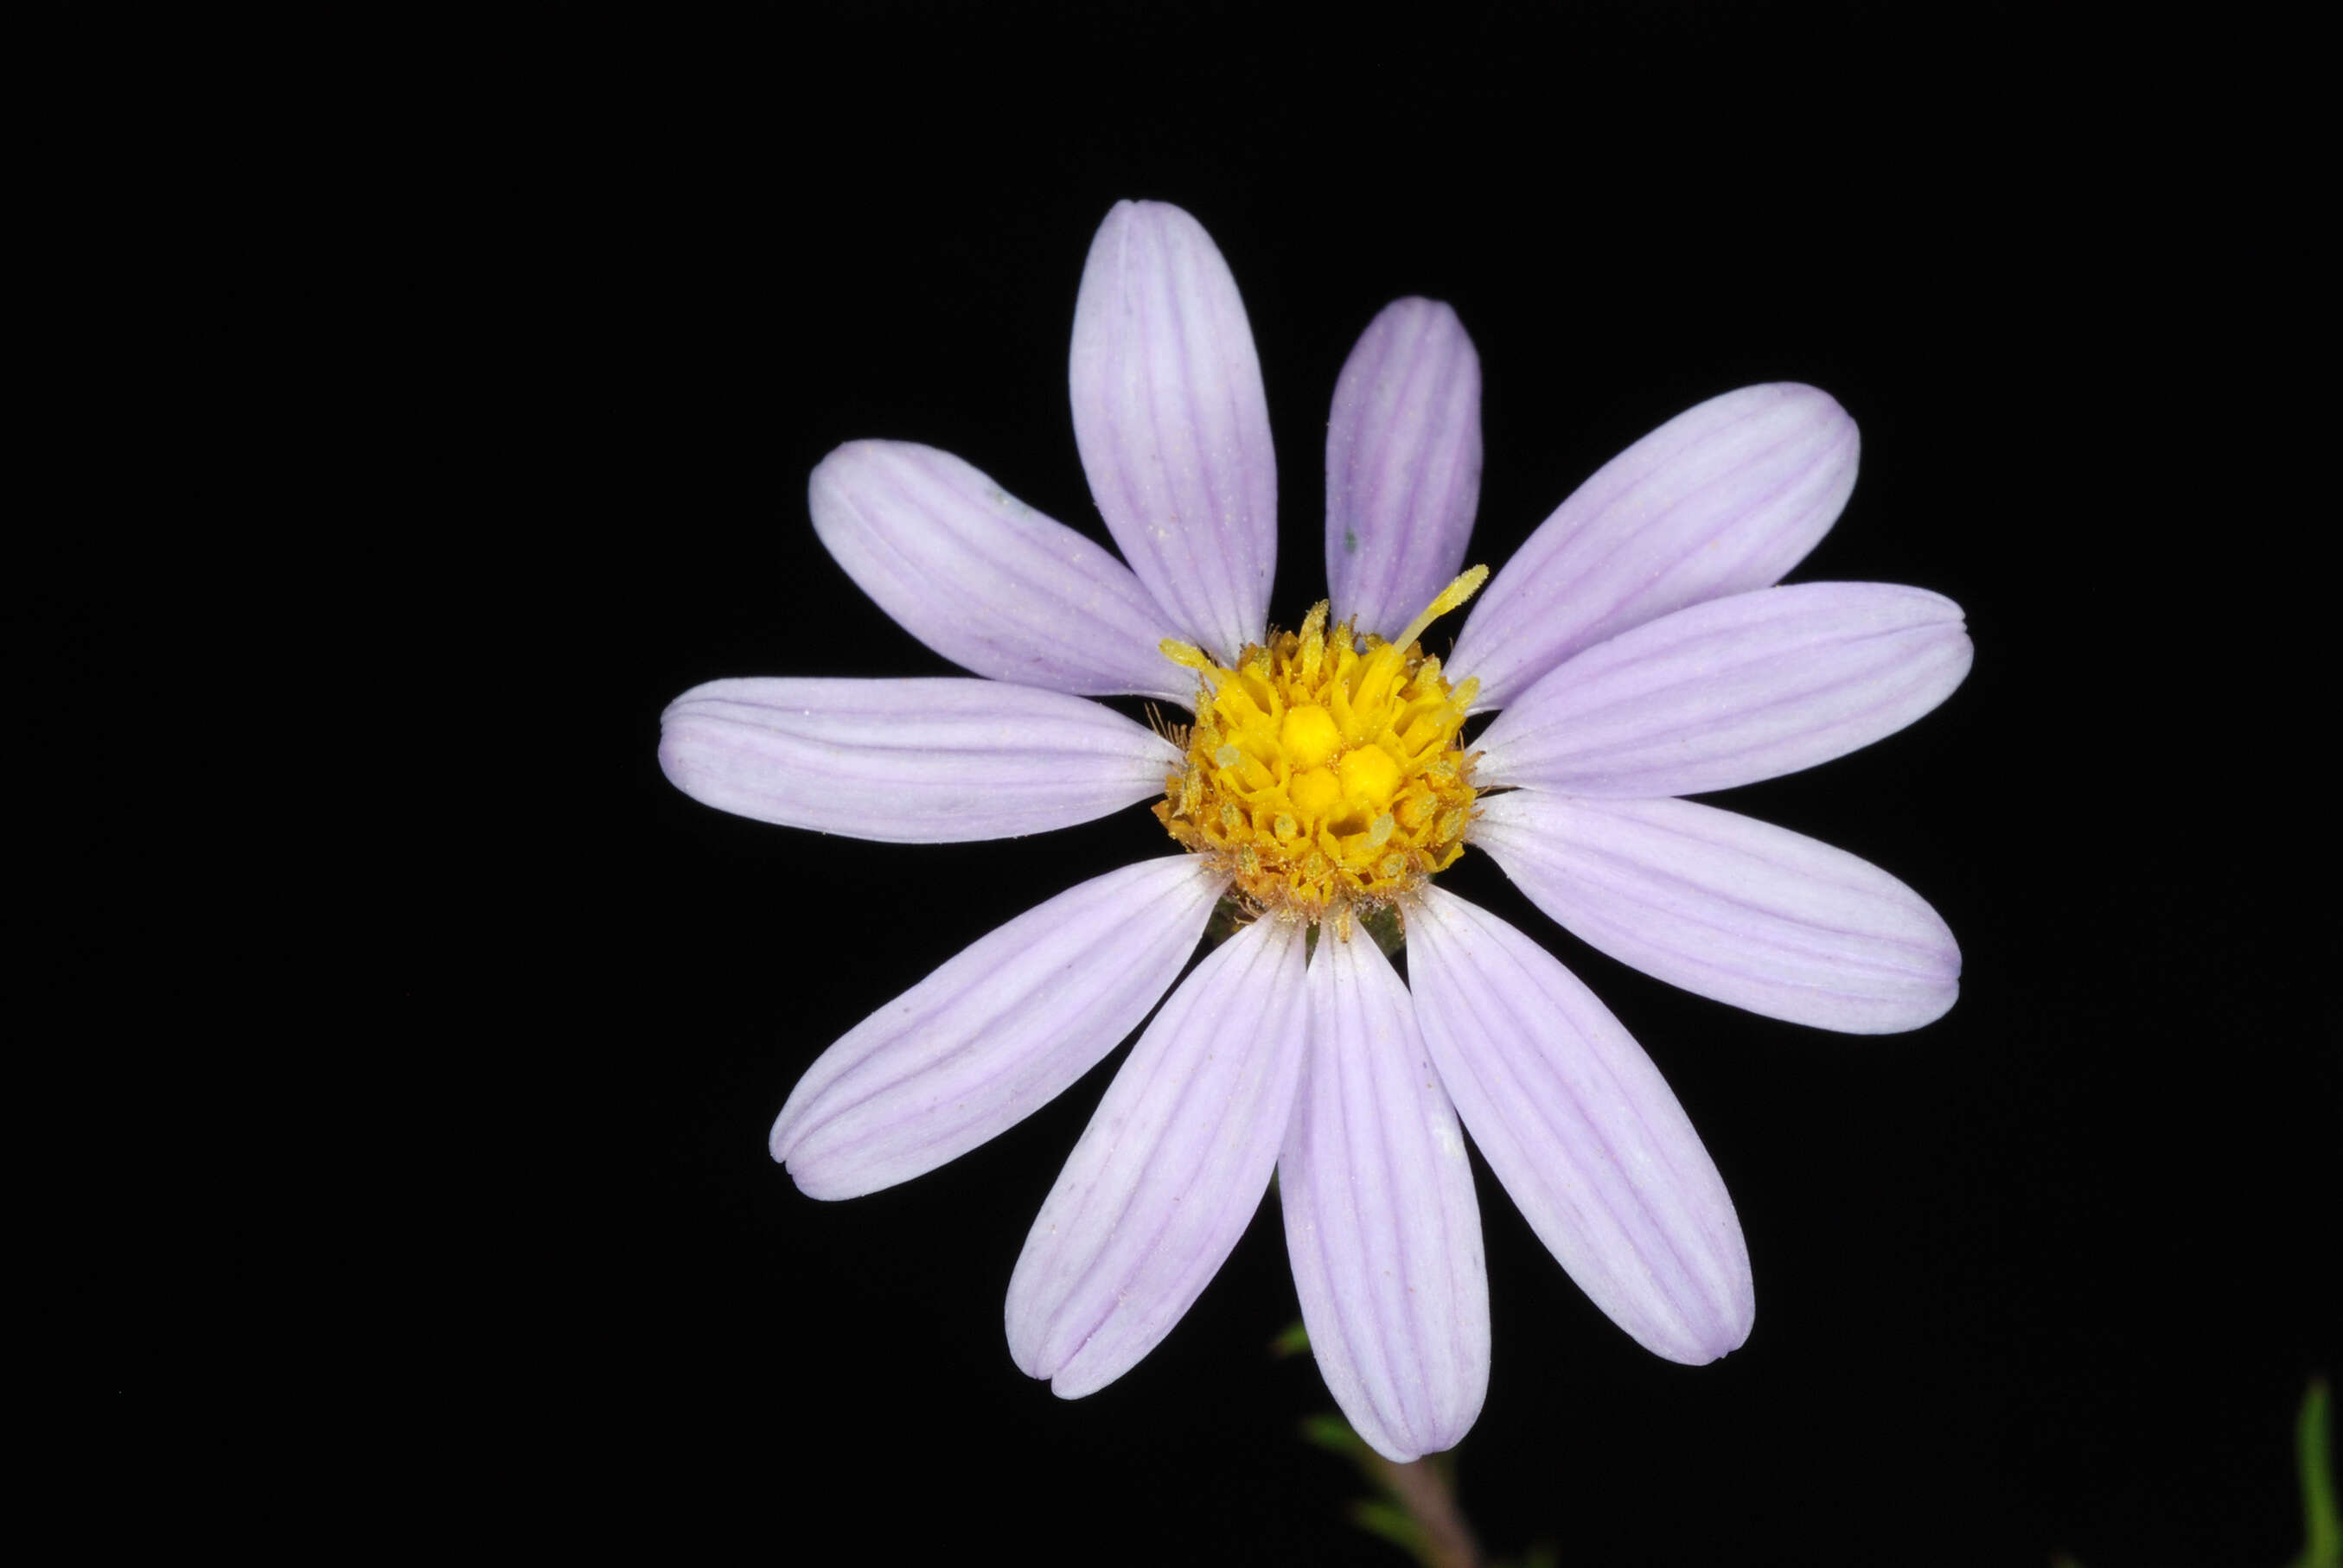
2043 1276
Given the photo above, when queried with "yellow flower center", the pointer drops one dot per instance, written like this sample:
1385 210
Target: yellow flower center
1323 771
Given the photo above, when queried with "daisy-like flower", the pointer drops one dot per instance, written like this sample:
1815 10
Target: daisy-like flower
1639 652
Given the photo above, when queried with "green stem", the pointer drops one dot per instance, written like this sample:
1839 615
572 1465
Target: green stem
1425 1490
2322 1531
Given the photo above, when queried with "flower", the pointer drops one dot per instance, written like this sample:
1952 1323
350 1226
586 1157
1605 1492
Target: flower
1639 652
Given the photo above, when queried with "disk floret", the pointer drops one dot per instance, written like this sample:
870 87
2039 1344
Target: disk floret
1323 771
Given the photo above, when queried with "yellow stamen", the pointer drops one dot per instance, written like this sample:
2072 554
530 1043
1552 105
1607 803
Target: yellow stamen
1313 640
1369 776
1316 793
1455 594
1323 770
1310 734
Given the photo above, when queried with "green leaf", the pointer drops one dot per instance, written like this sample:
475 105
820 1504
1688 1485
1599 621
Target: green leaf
1293 1339
2313 1458
1394 1524
1333 1434
1384 925
1228 919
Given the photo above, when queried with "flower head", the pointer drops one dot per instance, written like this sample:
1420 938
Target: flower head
1324 776
1639 651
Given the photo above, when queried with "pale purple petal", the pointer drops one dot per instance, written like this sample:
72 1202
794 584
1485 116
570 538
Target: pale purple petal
1403 465
909 761
1721 499
1168 1171
996 1033
1731 691
984 579
1730 908
1585 1134
1380 1219
1173 424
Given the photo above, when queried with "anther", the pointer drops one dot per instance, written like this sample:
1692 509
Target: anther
1313 640
1455 594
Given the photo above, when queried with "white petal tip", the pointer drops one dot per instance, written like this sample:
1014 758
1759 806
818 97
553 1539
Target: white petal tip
1070 1388
1397 1452
1406 1448
830 1186
1919 1012
1043 1364
1711 1341
682 749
